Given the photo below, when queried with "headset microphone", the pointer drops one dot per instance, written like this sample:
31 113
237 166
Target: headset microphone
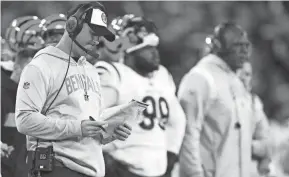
91 53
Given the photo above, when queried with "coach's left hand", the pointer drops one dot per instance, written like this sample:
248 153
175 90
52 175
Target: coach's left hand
122 132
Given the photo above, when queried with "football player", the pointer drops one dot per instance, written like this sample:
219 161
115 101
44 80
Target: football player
53 28
154 144
23 42
24 32
10 45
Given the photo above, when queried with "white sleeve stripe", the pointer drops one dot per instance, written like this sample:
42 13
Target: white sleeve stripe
108 67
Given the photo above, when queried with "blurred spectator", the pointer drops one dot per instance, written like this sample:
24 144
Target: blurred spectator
245 75
280 133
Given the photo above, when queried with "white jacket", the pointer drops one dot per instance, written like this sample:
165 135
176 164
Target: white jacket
221 122
39 83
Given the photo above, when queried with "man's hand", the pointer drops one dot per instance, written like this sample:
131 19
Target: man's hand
6 150
92 128
264 166
122 132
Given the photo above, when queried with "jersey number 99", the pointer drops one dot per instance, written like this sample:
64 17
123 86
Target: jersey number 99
156 108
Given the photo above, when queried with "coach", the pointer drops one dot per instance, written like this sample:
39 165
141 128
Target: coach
57 93
222 132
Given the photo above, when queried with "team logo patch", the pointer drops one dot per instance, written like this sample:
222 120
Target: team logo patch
103 17
26 85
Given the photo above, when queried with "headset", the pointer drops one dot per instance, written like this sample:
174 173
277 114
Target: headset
217 40
74 24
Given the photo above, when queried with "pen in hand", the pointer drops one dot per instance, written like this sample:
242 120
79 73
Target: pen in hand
101 127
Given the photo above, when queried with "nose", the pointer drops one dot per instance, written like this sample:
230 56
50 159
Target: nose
244 49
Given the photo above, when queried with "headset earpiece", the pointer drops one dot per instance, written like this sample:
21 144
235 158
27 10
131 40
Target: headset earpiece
74 23
216 41
217 46
71 25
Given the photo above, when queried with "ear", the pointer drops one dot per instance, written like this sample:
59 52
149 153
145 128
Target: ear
133 38
71 24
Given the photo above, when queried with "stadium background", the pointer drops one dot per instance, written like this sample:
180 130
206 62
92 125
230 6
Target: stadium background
182 27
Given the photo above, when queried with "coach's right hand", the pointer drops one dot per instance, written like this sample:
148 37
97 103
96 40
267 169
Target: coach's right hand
91 128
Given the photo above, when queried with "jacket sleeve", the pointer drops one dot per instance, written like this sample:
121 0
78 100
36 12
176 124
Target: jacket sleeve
261 138
175 127
33 91
193 96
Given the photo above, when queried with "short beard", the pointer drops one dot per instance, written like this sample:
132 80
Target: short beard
144 67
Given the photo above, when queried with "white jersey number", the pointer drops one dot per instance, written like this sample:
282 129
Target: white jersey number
157 108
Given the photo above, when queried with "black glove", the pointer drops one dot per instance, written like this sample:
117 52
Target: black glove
172 159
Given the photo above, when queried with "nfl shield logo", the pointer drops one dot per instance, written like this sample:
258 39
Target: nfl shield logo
103 17
26 85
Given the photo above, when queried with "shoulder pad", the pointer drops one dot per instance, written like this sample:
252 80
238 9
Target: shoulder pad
168 76
108 73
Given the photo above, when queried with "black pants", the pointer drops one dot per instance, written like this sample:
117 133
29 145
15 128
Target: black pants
119 171
115 169
60 172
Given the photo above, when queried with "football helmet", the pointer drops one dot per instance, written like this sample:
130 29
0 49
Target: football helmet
132 33
29 36
53 28
24 32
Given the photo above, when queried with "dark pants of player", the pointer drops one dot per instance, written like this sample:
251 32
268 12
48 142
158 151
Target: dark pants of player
61 172
120 171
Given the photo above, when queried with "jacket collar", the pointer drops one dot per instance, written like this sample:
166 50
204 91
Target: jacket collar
56 52
214 59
